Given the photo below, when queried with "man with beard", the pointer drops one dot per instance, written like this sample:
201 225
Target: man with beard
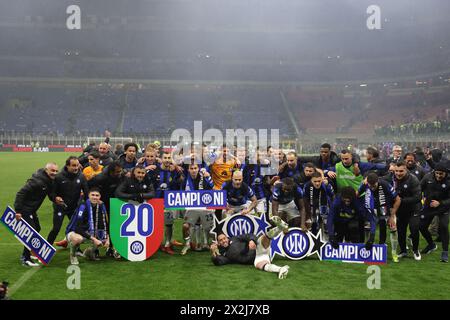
137 188
30 198
413 167
106 156
291 168
350 173
326 160
306 174
436 191
247 249
68 187
407 186
107 182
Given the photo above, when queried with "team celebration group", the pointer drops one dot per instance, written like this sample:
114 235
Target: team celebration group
334 193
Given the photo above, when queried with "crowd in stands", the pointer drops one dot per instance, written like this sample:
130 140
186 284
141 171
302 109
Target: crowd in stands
430 127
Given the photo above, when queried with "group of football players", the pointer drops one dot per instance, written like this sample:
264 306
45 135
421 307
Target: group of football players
336 194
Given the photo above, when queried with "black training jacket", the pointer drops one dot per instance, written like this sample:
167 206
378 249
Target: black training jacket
32 194
237 251
132 189
69 186
106 183
410 193
436 190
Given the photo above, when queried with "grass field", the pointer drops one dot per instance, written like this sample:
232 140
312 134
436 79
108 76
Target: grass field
193 276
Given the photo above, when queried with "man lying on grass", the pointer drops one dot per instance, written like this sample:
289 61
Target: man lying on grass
247 249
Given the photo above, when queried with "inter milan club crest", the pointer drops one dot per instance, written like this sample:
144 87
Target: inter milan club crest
297 244
137 229
238 224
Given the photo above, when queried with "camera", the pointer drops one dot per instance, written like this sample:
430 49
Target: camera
4 290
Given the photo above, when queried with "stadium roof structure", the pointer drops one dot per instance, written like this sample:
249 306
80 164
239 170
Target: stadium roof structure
320 42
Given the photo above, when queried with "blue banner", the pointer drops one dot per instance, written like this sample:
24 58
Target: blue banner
29 237
356 253
201 199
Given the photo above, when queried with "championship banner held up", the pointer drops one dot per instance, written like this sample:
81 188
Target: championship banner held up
29 237
198 199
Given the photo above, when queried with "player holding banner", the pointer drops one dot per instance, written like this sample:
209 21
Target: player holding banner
344 218
196 180
382 201
29 199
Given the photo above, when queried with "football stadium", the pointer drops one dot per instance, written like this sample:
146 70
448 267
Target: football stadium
224 150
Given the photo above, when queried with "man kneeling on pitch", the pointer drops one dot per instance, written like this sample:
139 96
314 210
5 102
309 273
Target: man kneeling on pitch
88 224
247 249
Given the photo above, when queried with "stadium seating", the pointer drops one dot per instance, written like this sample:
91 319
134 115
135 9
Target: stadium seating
85 111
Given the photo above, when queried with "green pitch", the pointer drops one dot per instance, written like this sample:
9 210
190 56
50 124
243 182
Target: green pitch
193 276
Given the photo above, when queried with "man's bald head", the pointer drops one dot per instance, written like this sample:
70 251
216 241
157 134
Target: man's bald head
51 169
237 178
103 148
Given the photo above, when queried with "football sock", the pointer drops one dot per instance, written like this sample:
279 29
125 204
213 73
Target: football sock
205 236
394 240
168 234
272 268
272 233
72 248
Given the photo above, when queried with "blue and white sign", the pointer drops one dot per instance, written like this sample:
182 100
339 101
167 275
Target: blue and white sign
296 244
355 253
29 237
195 199
239 224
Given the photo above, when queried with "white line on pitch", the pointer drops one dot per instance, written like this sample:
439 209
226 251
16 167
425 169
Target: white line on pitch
22 280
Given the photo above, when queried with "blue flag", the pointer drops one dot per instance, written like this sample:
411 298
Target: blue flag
29 237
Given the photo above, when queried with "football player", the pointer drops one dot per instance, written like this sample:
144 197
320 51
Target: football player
247 249
88 224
